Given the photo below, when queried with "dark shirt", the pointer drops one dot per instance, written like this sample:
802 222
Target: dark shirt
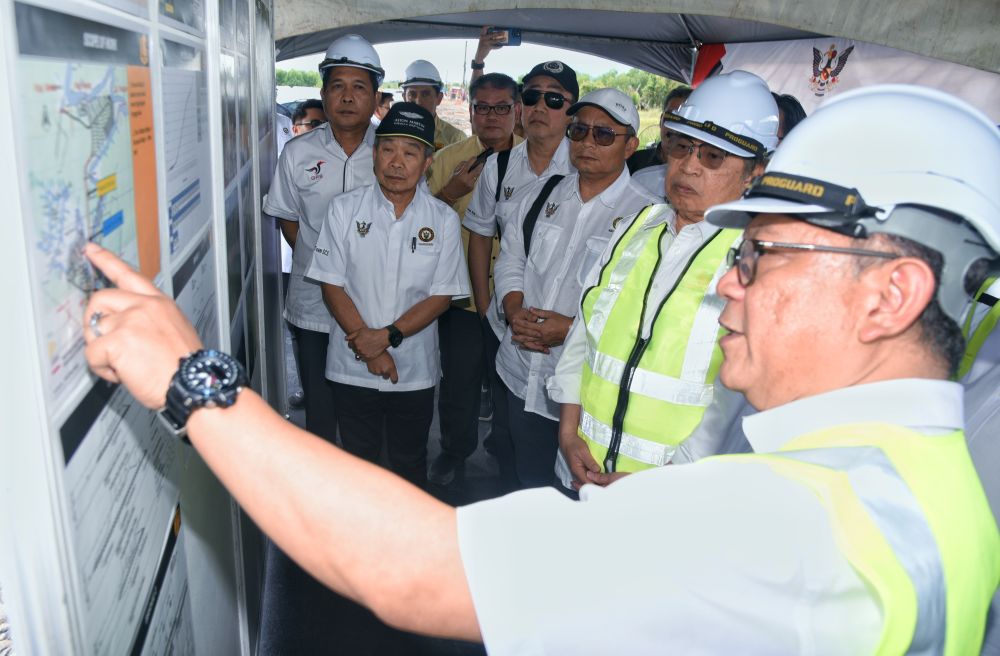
644 158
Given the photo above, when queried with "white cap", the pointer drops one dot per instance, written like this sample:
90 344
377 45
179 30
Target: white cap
422 72
615 103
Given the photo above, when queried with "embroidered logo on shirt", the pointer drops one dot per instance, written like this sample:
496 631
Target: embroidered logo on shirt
363 227
426 235
550 209
315 170
322 251
507 192
614 224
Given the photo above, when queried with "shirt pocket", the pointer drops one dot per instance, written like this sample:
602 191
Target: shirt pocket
544 243
420 263
590 257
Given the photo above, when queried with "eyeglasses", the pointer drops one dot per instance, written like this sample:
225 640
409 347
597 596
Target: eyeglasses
602 136
745 257
499 110
312 125
711 157
553 100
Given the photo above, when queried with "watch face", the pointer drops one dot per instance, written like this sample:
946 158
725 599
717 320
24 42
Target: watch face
210 375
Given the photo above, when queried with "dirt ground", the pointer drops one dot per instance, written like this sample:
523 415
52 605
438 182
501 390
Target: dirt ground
455 112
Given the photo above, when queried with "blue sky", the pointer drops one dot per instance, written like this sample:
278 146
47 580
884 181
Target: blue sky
448 54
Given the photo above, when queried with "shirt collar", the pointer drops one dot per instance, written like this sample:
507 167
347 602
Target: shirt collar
368 139
610 196
933 406
703 228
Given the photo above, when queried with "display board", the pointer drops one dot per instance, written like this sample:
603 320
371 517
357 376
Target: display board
146 128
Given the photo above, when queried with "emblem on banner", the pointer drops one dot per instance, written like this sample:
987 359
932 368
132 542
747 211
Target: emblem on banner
827 67
363 227
425 235
507 192
550 209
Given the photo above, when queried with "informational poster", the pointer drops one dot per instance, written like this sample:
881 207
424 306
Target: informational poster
194 291
167 627
188 15
247 224
227 73
186 143
233 267
243 108
264 71
89 166
120 477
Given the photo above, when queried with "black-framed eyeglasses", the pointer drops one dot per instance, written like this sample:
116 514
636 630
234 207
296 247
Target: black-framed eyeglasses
499 110
602 136
745 256
553 99
711 157
312 125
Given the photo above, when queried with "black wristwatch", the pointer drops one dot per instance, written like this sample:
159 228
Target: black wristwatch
204 379
477 66
395 335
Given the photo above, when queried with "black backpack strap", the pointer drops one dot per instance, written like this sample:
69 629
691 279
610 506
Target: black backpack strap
503 159
532 216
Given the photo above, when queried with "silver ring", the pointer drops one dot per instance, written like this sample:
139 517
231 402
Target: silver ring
95 320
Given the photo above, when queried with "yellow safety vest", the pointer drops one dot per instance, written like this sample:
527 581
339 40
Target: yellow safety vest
910 516
646 396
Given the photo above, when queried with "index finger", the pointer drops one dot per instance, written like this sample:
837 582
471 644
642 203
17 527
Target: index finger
118 271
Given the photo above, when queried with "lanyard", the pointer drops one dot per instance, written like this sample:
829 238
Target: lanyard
983 331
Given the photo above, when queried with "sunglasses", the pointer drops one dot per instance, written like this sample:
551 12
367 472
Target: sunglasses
711 157
499 110
312 125
602 136
745 257
553 100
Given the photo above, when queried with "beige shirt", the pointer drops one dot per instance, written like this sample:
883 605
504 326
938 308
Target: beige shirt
446 134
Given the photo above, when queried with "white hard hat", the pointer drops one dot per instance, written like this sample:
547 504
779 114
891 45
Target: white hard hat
866 160
354 51
617 105
732 111
422 72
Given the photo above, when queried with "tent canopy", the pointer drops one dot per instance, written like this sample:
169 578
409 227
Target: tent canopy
660 36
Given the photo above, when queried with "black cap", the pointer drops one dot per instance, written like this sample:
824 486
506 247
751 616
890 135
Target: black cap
560 72
406 119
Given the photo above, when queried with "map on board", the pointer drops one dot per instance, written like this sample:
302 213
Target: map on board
87 119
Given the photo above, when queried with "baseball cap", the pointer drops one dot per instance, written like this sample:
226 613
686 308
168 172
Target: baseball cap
406 119
560 72
615 103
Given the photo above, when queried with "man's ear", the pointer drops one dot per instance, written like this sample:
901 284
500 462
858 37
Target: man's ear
898 292
630 145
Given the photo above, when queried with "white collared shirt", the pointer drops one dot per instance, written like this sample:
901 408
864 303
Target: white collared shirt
566 245
388 265
311 171
653 179
715 557
485 213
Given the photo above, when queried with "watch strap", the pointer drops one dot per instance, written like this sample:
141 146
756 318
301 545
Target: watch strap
395 335
477 66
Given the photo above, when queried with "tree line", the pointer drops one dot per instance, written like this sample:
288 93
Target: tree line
647 90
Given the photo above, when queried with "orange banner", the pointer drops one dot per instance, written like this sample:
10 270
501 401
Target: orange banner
147 226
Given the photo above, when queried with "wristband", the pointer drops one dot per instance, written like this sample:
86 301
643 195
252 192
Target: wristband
478 66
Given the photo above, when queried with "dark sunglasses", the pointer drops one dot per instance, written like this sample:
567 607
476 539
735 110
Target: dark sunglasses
745 256
499 110
602 136
553 100
711 157
312 125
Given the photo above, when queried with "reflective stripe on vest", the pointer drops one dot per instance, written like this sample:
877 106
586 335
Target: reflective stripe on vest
642 394
911 517
896 512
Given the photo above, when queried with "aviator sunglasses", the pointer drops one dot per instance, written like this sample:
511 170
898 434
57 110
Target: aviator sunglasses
553 99
602 136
